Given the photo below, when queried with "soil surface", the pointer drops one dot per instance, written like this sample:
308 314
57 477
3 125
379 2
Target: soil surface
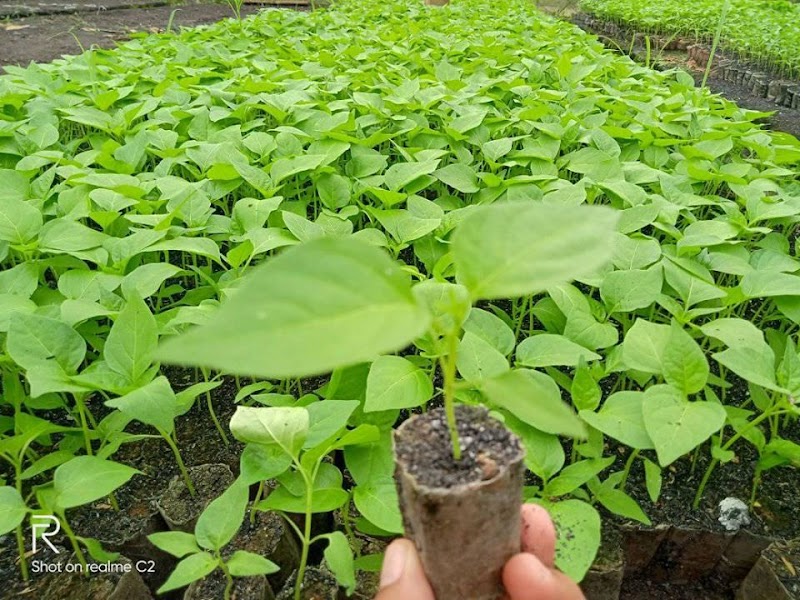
426 450
62 27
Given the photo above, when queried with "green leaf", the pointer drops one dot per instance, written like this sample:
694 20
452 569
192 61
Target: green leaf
154 404
33 339
248 564
492 329
176 543
395 382
85 479
576 475
20 221
548 349
339 558
401 174
322 305
585 392
460 177
379 504
12 509
260 463
477 359
190 569
326 418
676 425
621 418
132 341
544 454
644 345
510 250
578 527
534 398
625 291
684 363
652 479
371 463
282 426
221 519
764 284
620 503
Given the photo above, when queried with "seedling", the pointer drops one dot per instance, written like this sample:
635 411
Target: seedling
201 552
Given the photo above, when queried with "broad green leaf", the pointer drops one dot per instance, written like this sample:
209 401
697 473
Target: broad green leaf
85 479
371 463
676 425
491 329
476 359
322 305
644 345
132 340
33 339
684 363
460 177
762 284
513 250
154 404
401 174
578 540
248 564
379 504
326 418
285 427
620 503
652 478
626 291
20 221
339 558
12 509
176 543
260 462
621 418
544 454
191 568
221 519
549 350
394 382
585 392
575 475
534 398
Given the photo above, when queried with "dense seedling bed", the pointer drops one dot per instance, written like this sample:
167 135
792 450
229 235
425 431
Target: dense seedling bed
141 186
764 31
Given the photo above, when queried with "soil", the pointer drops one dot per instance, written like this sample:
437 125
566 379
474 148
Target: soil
180 508
318 584
73 25
244 588
784 558
485 444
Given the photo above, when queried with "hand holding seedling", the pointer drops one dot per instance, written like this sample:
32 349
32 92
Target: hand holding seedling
527 576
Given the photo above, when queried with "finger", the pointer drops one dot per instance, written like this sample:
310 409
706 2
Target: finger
402 576
527 578
538 534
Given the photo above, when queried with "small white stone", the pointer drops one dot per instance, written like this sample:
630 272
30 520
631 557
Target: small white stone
733 514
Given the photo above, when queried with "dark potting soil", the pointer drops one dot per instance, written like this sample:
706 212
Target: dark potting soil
244 588
180 507
784 557
642 589
426 450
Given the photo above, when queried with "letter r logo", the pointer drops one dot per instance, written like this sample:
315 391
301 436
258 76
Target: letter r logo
49 526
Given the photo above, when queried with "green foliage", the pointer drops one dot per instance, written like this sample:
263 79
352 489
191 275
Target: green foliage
258 198
765 31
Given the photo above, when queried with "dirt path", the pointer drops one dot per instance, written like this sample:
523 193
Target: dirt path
73 25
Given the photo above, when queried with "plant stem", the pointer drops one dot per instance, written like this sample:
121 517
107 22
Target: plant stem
448 363
84 424
627 469
23 561
213 414
722 18
301 570
74 541
174 447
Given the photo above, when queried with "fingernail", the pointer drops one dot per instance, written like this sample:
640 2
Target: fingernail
394 563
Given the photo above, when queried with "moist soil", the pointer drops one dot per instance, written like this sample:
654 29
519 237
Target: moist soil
46 37
427 451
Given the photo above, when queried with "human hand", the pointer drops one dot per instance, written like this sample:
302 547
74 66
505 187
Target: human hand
529 575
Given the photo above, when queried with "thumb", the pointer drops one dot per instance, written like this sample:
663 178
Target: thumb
402 577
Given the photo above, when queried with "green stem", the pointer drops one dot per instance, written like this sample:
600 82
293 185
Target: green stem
87 440
449 375
213 414
301 570
627 469
259 494
23 561
707 475
74 541
175 451
228 578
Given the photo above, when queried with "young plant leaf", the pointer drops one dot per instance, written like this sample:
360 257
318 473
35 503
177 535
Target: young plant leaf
221 519
322 305
85 479
191 568
248 564
284 427
339 558
394 382
511 250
